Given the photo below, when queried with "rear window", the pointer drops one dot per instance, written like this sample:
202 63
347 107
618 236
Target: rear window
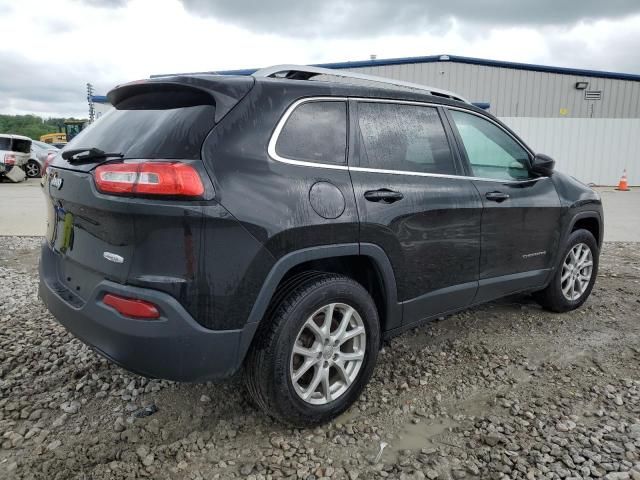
15 145
172 133
315 132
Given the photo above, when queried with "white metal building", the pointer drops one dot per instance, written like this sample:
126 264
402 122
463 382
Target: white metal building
589 121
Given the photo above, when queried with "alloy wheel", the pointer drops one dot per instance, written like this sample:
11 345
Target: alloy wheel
328 353
577 269
32 170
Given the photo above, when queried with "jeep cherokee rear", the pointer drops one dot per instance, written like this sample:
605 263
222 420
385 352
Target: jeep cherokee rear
286 226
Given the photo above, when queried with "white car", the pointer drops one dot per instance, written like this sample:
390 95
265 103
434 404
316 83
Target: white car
15 151
39 153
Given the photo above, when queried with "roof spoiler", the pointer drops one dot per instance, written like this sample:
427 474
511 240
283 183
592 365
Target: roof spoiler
160 93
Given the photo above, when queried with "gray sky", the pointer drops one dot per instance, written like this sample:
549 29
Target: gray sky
50 50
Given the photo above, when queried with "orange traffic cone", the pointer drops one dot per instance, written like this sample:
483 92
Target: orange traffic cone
623 186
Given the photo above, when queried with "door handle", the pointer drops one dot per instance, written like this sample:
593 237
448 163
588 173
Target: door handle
497 196
383 195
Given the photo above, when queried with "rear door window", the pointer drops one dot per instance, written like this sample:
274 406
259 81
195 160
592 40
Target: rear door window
315 132
404 137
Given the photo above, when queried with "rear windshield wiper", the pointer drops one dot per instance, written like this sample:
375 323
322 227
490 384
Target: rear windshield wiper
74 155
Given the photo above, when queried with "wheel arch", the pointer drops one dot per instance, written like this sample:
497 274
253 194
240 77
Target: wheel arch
330 256
590 221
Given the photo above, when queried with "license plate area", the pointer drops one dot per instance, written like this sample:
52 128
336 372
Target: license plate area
62 234
87 233
76 278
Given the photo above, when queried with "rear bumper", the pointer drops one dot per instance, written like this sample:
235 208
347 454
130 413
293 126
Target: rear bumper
174 347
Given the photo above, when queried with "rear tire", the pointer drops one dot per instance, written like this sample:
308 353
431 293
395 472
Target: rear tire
333 360
575 276
32 169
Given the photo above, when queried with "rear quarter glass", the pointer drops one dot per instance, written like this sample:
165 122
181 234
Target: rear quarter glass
22 146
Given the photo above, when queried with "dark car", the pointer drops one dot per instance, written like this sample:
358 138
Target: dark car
283 225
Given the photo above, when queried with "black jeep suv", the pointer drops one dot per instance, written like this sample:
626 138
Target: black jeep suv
286 225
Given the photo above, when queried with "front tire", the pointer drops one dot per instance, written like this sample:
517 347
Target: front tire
316 352
574 278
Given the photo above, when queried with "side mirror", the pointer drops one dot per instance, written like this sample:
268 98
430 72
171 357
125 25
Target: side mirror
543 164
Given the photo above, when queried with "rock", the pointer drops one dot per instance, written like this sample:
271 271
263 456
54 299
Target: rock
53 445
431 474
15 439
492 439
71 407
565 426
153 426
205 399
119 424
142 451
617 476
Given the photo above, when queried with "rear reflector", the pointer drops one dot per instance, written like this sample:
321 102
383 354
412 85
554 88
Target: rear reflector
149 178
131 307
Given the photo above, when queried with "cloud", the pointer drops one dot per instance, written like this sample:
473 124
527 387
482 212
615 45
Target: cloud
601 45
71 42
105 3
50 89
300 19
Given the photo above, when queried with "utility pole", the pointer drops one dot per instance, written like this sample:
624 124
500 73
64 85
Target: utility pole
92 110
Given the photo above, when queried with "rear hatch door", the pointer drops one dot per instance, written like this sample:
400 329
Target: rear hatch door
94 233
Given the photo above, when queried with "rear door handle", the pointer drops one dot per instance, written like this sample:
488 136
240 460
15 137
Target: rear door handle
383 195
497 196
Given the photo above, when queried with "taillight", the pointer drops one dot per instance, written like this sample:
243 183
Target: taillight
9 159
131 307
149 178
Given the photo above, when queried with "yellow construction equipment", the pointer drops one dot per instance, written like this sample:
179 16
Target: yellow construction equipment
71 129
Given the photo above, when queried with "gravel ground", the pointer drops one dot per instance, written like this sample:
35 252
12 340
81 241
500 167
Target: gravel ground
503 391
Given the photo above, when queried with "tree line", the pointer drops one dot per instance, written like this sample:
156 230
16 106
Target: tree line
31 126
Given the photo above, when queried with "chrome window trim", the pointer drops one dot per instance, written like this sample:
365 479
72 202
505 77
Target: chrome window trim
271 149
